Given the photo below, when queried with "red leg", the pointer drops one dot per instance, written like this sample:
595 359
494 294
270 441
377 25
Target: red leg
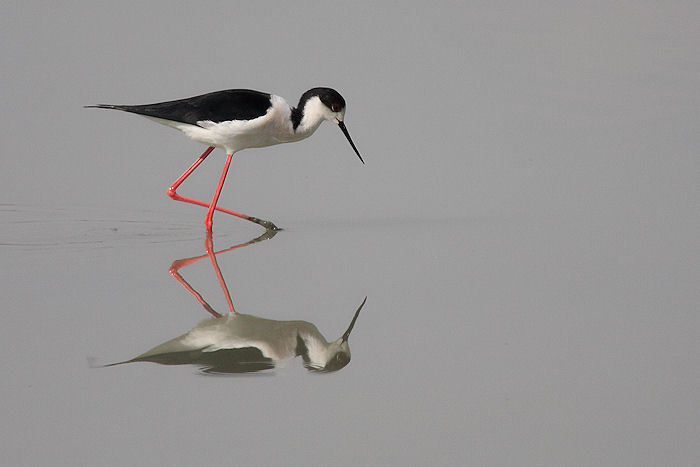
173 194
171 190
208 220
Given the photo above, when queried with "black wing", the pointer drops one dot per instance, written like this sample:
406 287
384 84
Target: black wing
243 360
220 106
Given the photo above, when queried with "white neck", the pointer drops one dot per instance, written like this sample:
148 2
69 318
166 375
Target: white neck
313 114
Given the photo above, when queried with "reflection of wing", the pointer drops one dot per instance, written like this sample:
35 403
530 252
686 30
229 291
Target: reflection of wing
224 361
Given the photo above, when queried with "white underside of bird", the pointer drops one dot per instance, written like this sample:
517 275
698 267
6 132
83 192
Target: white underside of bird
275 127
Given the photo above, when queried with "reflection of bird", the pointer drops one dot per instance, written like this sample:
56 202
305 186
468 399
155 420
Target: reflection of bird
237 119
240 343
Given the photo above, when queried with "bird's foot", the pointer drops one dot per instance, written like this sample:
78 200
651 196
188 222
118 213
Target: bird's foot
263 223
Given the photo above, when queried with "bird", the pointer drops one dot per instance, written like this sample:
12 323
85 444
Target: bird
237 119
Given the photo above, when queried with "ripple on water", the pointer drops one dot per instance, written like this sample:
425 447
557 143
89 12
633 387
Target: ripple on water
33 227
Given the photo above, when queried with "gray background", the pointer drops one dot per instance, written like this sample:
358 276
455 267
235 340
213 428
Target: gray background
525 229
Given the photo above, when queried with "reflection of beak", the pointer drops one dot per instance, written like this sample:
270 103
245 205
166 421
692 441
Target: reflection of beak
354 318
347 135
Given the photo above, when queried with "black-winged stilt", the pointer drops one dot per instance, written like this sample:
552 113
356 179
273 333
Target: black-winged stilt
238 119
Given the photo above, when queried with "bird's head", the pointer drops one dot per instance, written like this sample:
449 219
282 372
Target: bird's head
337 354
329 105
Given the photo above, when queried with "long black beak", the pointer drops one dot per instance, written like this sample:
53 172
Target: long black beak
352 323
347 135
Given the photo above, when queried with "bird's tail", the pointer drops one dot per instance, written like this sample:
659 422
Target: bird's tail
106 106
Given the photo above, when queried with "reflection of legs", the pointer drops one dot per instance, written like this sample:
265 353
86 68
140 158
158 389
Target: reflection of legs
181 263
209 246
173 194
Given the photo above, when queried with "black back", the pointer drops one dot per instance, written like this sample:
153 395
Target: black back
220 106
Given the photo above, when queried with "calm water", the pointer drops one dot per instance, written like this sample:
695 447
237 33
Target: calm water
470 336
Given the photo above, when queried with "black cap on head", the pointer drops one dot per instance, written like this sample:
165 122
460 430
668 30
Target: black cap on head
329 97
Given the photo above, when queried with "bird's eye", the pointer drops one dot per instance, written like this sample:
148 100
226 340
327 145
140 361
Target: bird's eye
335 108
